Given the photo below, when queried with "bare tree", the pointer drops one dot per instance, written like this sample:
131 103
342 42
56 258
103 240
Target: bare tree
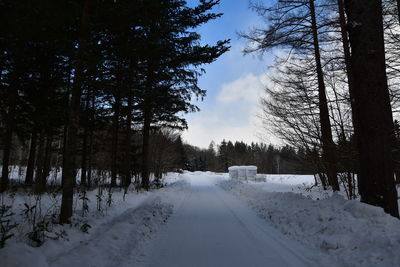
293 25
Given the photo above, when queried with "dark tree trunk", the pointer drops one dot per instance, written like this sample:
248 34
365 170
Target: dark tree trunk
44 167
374 114
40 159
65 128
68 174
347 61
84 143
84 157
328 146
91 141
31 160
146 147
114 142
43 124
90 160
47 157
147 117
398 9
350 82
350 184
8 136
127 168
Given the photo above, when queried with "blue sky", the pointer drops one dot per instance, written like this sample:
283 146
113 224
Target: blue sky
234 83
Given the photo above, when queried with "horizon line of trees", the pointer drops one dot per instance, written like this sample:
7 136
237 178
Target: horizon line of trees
269 159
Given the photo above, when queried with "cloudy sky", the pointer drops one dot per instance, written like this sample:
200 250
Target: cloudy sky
234 83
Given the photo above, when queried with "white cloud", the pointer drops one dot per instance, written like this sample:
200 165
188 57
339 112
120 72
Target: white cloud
233 115
245 89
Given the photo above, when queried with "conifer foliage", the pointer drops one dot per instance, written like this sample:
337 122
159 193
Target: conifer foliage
86 85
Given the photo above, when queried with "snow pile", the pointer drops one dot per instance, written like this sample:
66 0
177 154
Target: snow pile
115 238
19 255
233 172
243 172
119 238
106 246
302 184
354 233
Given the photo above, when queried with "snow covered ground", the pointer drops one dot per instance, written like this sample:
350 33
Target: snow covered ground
213 228
115 237
350 232
205 219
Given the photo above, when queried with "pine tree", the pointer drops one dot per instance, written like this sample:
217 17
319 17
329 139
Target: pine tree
69 166
170 65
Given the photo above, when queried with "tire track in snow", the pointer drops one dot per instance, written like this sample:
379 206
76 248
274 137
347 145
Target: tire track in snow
212 228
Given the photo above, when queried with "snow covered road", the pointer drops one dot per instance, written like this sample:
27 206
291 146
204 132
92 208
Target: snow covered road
213 228
207 219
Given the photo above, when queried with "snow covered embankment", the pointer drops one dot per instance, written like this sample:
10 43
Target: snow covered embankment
115 241
355 234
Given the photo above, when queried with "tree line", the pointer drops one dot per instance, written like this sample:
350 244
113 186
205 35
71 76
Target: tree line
94 85
269 159
335 87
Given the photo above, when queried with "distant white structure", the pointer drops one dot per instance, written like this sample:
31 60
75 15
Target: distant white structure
233 172
243 172
251 173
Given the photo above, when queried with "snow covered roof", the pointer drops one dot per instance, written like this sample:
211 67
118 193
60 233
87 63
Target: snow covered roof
233 168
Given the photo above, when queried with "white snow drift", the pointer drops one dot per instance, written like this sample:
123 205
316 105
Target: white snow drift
208 226
353 233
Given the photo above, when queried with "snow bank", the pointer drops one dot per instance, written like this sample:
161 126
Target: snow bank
20 255
117 239
356 234
116 235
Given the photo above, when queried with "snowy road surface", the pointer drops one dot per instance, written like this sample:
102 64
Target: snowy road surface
194 222
212 228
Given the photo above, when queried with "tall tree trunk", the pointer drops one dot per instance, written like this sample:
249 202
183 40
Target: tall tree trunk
127 169
374 114
350 82
350 184
85 141
47 158
91 141
43 164
64 145
114 142
43 123
68 173
146 146
40 158
84 156
347 61
398 9
31 160
328 146
89 160
147 117
9 125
